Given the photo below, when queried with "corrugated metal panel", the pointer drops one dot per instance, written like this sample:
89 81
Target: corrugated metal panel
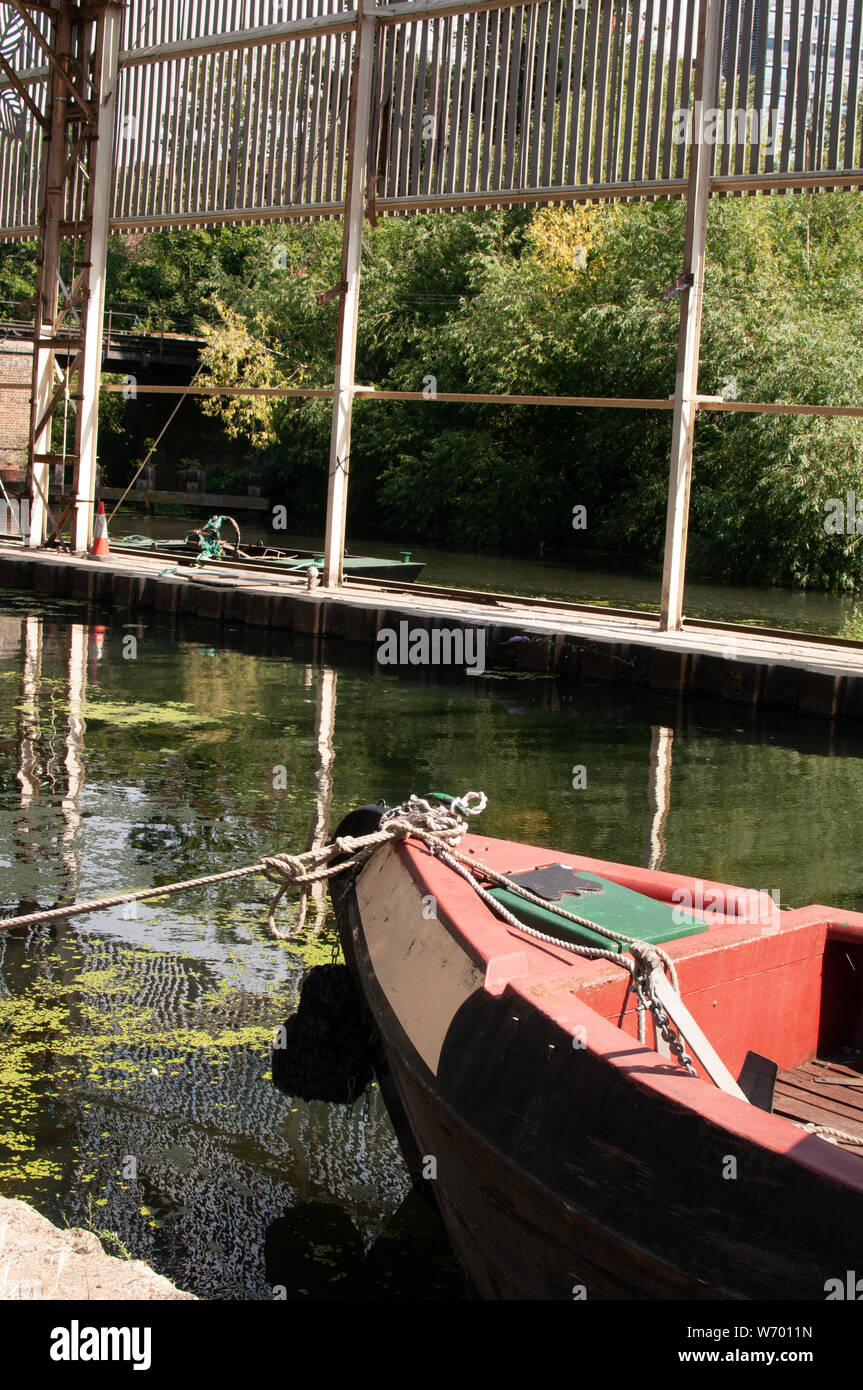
557 97
257 128
853 154
592 95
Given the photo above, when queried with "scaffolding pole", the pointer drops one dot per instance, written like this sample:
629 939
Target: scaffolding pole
102 179
701 160
349 296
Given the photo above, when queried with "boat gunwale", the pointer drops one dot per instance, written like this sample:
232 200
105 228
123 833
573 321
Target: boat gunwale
506 955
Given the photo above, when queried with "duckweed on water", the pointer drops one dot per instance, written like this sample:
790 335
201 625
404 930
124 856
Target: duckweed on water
87 1033
124 714
128 714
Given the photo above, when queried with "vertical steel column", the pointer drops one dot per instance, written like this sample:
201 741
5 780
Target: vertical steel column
52 207
701 160
101 171
346 339
74 196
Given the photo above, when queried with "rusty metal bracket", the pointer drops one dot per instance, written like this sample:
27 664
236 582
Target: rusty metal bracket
683 282
335 293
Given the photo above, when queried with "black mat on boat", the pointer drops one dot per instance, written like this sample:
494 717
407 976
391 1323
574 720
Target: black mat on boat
551 881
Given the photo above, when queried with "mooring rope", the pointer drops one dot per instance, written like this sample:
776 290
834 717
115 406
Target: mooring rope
829 1133
441 828
285 869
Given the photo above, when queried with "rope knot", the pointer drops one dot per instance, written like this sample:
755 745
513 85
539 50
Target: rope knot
648 958
284 868
435 825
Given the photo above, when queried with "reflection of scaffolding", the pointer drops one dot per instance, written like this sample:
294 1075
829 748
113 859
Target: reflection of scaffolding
70 805
658 794
27 774
40 750
325 721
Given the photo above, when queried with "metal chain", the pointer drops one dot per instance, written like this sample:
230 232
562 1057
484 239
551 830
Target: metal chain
666 1028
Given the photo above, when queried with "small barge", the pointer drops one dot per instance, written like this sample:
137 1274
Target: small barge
569 1159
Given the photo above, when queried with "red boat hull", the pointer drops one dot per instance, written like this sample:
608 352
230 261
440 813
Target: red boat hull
567 1159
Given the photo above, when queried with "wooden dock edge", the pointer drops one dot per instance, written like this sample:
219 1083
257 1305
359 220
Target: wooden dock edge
818 680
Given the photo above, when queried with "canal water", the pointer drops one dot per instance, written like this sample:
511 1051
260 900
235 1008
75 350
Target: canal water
560 578
136 1094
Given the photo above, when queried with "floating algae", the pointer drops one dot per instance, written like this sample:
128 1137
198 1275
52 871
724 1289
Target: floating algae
132 714
90 1033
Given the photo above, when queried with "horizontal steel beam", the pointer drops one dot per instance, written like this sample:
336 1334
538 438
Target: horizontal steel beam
281 392
493 398
217 43
406 10
508 197
490 398
480 398
792 179
259 37
780 408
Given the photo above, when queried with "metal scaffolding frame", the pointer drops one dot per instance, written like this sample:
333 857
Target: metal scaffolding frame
420 105
77 124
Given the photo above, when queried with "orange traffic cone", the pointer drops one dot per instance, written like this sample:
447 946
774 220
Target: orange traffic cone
100 547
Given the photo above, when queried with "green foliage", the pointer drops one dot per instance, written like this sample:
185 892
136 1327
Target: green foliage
783 318
853 629
550 302
17 278
172 280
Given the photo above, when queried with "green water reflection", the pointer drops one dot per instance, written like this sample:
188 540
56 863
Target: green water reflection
134 1045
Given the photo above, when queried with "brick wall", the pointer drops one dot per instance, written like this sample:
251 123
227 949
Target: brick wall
16 359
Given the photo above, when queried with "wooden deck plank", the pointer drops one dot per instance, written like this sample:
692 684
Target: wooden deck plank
829 1103
802 1095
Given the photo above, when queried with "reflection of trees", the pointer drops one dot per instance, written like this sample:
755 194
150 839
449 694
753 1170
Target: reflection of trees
220 1153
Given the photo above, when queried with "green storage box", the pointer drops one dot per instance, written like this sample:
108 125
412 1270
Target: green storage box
600 900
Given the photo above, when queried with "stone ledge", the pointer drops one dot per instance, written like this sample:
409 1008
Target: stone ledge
40 1261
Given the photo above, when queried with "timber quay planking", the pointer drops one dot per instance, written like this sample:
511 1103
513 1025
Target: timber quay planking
769 670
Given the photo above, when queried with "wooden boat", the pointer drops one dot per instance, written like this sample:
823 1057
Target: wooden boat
568 1159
